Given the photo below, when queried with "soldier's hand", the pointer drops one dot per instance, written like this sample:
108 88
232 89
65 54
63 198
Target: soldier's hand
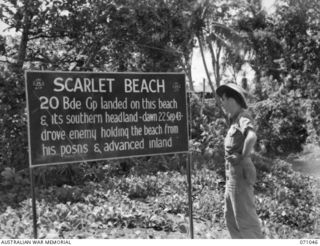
234 158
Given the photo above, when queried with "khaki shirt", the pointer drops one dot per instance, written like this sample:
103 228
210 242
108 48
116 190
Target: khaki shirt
237 133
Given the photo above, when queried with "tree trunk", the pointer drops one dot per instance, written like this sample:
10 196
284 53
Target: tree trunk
205 65
186 66
24 38
215 64
189 70
216 69
189 75
258 86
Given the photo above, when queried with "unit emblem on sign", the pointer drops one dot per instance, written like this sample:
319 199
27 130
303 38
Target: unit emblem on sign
176 87
38 84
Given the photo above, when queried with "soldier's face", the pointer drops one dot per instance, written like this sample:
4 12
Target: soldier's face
225 103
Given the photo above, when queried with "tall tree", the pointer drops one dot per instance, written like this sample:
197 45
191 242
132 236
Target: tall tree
215 33
283 43
297 26
262 45
199 14
123 35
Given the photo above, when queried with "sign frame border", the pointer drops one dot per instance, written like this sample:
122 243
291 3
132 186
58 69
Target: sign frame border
98 159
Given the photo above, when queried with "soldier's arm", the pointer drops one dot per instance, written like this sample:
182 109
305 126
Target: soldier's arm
249 143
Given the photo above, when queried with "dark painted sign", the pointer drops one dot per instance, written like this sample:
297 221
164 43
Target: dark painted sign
87 116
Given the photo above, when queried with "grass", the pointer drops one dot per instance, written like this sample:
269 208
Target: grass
156 206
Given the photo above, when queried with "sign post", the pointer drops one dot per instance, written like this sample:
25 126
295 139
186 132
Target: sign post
90 116
34 207
190 195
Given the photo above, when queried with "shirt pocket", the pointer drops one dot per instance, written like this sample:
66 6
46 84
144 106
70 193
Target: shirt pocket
231 136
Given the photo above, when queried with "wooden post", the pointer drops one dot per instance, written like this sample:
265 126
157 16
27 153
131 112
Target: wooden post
34 208
190 195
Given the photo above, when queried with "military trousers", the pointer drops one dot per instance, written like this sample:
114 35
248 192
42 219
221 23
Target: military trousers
240 213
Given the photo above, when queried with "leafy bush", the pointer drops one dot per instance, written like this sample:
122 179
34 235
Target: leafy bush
14 187
312 115
13 121
281 125
208 129
208 195
285 203
286 197
10 178
201 111
209 148
140 187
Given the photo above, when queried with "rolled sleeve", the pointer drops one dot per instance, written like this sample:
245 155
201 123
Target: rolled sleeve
245 124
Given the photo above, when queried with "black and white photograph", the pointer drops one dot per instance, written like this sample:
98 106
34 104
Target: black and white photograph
159 119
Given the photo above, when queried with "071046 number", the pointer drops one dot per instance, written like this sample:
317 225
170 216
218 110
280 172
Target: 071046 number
308 242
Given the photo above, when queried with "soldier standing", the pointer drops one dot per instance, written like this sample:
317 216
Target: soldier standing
240 213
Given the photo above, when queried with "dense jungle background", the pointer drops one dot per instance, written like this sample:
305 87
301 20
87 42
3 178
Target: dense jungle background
147 197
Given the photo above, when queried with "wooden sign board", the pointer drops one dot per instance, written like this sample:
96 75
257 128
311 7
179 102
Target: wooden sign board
89 116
